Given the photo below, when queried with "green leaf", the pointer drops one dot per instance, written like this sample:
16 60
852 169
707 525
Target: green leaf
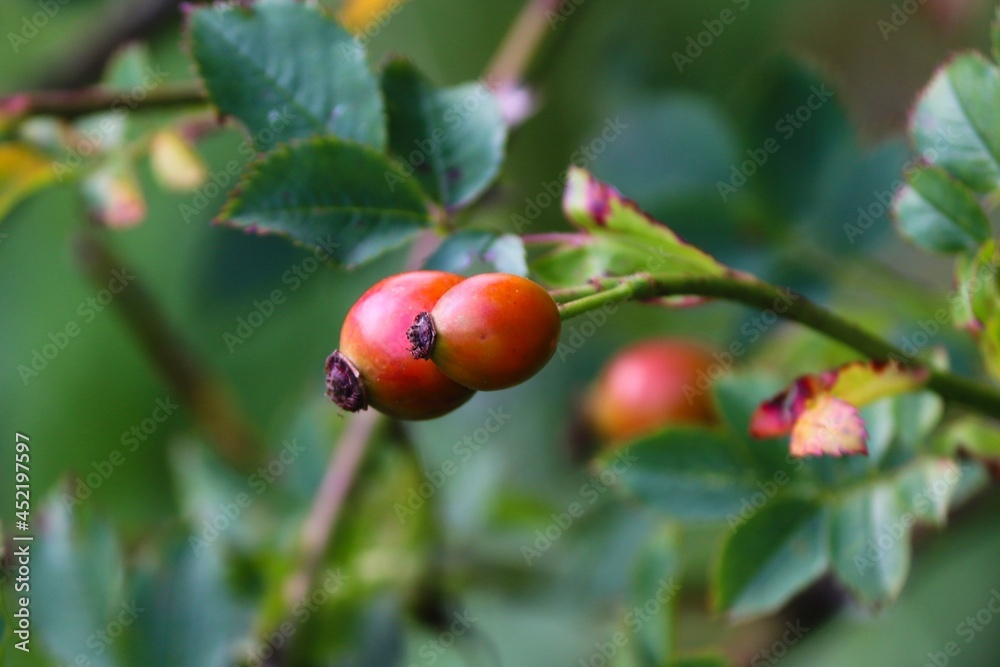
926 488
76 584
938 213
286 71
128 67
451 139
619 239
978 298
916 415
777 552
971 434
954 125
341 197
189 616
654 583
689 473
870 543
471 251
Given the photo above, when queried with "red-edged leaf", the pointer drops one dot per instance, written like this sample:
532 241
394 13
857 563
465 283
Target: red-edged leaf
618 238
820 410
829 427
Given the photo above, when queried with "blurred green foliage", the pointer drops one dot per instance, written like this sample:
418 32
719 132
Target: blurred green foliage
457 564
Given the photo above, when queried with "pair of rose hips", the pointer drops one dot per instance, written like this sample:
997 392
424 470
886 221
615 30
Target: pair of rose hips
418 345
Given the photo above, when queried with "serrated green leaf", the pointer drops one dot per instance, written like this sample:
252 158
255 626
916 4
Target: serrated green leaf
690 473
777 552
938 213
472 251
452 139
76 584
954 125
870 543
619 238
341 197
287 71
189 616
655 579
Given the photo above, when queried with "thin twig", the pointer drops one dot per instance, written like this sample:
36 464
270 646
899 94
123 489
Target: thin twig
329 501
69 104
520 44
207 396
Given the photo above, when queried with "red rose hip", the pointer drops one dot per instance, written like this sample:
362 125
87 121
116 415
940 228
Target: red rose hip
650 386
491 331
374 367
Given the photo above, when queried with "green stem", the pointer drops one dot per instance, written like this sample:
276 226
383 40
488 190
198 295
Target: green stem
69 104
785 303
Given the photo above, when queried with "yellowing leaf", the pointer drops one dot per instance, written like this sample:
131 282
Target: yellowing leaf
175 163
357 15
821 410
22 171
829 426
862 382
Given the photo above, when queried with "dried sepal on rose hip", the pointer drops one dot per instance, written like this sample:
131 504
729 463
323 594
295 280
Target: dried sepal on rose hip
649 386
491 331
373 366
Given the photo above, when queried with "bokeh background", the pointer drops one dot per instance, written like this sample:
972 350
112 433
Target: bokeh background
685 129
